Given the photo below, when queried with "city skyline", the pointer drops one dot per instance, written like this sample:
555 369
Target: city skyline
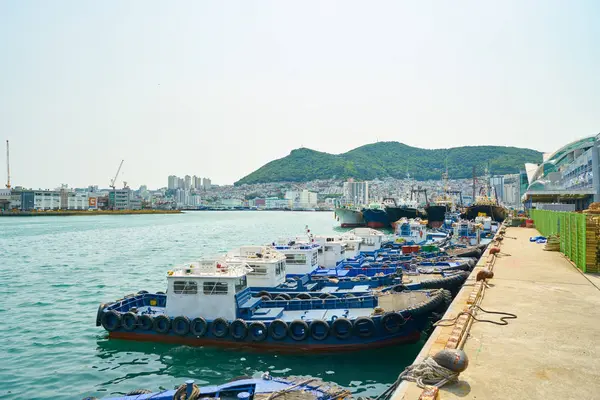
203 86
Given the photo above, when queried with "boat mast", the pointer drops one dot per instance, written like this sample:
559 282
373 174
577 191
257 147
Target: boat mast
7 166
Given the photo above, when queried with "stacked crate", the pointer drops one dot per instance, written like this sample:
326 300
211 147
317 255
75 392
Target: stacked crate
592 242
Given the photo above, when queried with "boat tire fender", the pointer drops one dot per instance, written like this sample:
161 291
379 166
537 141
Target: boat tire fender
364 327
181 325
344 323
220 327
392 322
162 323
263 293
111 320
99 314
278 329
238 329
399 288
285 296
145 322
319 329
258 331
142 292
198 326
298 330
303 296
129 321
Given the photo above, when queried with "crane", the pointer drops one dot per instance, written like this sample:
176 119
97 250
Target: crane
7 166
112 184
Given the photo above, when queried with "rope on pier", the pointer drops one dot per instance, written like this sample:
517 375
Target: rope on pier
428 373
503 320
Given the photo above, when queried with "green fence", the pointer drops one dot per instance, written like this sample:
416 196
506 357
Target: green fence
571 228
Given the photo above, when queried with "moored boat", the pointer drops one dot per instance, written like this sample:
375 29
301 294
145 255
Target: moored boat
403 208
349 216
209 303
375 216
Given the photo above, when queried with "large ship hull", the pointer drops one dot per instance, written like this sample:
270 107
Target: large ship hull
497 213
396 213
375 218
435 215
349 218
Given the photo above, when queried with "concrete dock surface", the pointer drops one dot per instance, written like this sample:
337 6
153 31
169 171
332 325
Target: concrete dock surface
551 351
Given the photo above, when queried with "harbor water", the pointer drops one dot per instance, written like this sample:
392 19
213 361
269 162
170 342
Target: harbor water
56 270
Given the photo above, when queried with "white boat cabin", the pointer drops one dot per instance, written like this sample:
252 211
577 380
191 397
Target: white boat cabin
353 244
466 232
372 239
413 230
301 256
333 250
485 222
268 266
205 289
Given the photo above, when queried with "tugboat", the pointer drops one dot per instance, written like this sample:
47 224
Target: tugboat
247 388
375 216
209 303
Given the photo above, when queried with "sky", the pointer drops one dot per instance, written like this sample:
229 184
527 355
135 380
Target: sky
219 88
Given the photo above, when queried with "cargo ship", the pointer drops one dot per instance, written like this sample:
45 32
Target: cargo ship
375 216
349 216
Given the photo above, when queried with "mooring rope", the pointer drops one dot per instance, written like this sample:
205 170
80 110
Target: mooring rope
428 373
503 320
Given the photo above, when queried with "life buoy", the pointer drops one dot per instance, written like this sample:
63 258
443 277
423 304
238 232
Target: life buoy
298 330
319 329
364 327
257 331
238 329
181 325
392 322
162 323
198 326
342 328
111 320
278 329
99 314
129 321
220 327
145 322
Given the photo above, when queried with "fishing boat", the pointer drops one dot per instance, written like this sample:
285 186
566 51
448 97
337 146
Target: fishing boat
415 232
301 255
403 208
349 216
486 206
372 239
466 233
247 388
208 303
375 216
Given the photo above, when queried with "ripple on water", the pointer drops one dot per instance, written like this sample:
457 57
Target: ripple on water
61 268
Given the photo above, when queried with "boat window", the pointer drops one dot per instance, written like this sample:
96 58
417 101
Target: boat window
258 270
240 284
280 268
315 259
215 287
295 258
185 287
328 248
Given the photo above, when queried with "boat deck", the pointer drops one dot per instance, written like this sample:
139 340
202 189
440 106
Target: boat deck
550 351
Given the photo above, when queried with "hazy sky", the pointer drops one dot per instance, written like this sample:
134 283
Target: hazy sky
220 88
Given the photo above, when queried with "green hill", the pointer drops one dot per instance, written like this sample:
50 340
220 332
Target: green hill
390 159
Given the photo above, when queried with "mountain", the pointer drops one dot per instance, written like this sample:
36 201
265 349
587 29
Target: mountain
390 159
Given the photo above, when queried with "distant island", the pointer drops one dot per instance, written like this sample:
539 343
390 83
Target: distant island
392 159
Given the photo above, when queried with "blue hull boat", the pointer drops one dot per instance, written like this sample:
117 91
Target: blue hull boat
246 388
209 303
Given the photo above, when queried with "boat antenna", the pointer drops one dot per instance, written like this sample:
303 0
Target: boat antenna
7 166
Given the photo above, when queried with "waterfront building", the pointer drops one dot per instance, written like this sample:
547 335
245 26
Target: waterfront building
206 184
173 182
123 199
356 192
570 175
187 182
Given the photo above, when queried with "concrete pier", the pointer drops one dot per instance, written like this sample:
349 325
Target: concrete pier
551 351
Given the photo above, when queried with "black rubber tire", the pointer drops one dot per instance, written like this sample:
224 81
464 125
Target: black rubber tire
129 321
314 325
142 292
342 322
273 329
349 295
331 296
160 293
266 298
238 329
138 392
281 298
257 326
101 308
364 322
285 296
198 326
109 316
180 325
145 322
220 333
303 296
264 293
399 288
323 295
161 324
300 324
396 319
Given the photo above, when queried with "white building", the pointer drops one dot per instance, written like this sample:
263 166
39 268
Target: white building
356 192
302 199
206 183
173 182
274 203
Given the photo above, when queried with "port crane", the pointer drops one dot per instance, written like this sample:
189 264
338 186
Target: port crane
112 184
7 166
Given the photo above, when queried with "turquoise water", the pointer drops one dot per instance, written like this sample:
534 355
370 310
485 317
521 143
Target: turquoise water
56 270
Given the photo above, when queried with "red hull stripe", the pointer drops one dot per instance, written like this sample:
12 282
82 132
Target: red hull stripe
292 347
376 224
351 225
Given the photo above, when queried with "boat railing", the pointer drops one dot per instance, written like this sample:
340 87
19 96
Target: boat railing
322 304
